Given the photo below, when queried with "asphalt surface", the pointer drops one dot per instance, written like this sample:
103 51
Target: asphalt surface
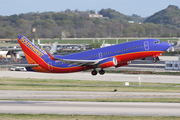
90 108
88 76
13 94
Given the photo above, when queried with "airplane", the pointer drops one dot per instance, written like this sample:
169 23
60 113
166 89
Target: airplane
111 56
53 48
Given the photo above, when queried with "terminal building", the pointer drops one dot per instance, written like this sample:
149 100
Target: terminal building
172 65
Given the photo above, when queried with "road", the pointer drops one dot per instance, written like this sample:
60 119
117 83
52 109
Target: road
88 76
90 108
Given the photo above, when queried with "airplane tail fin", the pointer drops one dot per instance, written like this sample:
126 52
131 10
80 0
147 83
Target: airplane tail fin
53 49
32 53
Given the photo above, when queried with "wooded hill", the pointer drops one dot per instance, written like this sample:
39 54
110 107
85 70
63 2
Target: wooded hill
78 24
168 16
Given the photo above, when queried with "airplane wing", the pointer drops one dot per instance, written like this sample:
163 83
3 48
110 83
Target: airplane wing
80 62
75 62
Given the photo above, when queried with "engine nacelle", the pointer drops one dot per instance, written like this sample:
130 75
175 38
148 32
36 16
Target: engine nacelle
121 64
109 62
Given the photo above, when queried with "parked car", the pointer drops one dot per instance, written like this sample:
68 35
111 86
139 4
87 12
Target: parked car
18 69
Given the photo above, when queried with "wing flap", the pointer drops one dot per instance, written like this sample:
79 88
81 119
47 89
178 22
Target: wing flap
80 62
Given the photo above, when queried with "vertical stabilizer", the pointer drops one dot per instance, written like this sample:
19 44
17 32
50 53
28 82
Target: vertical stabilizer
53 49
32 53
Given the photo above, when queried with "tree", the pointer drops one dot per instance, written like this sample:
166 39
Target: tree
10 34
96 45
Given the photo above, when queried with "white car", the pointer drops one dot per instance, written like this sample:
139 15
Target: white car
18 69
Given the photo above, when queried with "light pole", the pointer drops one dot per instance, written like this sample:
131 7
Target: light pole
34 31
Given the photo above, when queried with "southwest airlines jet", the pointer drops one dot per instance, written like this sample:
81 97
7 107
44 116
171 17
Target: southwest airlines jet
112 56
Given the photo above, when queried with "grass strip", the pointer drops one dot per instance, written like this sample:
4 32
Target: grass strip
83 85
162 100
144 72
78 82
79 117
88 88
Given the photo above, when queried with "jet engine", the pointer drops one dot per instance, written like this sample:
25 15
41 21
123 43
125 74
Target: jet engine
121 64
109 62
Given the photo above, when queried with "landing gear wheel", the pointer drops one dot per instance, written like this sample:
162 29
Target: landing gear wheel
101 72
155 60
94 72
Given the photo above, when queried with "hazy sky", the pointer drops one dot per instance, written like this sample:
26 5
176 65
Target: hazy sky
143 8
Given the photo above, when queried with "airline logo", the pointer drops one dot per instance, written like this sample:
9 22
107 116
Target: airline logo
31 46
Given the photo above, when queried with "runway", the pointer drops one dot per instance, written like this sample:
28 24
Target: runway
88 76
13 94
90 108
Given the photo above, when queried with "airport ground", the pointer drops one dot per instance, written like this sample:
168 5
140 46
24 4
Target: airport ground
158 95
37 106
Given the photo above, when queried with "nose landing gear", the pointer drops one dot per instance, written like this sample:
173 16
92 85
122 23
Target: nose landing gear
155 60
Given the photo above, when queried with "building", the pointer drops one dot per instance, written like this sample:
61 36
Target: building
97 16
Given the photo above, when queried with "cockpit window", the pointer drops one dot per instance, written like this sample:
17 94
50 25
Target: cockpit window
157 42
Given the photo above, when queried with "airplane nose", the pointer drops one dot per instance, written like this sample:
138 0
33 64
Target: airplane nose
168 45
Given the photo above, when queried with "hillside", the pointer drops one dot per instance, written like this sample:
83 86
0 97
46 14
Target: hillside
115 15
78 24
170 15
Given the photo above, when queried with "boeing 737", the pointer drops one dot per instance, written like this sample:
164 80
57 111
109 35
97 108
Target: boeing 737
111 56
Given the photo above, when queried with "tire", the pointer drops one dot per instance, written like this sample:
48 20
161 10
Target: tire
94 72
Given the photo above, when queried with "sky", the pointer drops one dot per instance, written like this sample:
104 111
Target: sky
143 8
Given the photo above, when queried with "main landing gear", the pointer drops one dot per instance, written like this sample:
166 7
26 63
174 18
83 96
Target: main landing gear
101 72
94 72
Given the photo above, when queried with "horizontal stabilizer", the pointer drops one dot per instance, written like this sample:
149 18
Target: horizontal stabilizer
51 56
